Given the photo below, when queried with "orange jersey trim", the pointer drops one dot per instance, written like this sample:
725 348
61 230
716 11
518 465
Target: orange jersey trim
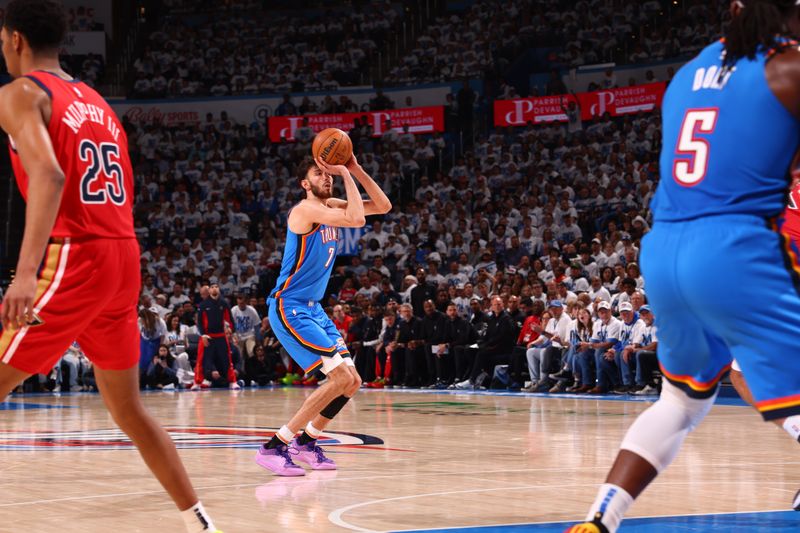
699 386
300 258
296 335
778 403
313 367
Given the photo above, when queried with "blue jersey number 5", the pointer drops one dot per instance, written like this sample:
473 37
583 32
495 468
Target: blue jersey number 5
692 152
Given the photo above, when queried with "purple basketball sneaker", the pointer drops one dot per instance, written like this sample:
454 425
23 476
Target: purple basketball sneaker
279 461
312 455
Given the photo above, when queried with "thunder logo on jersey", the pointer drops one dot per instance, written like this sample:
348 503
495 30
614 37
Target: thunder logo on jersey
307 264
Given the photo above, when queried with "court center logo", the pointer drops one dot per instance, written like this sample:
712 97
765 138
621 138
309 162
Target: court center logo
185 438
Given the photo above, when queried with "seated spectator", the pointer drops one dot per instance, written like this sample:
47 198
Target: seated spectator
160 374
495 346
644 348
547 350
434 335
607 330
518 367
259 368
624 366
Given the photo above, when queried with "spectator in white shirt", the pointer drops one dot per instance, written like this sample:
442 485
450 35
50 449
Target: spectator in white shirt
606 334
548 348
177 298
597 291
245 321
367 288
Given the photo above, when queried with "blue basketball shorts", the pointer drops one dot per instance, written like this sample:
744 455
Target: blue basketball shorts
306 332
721 288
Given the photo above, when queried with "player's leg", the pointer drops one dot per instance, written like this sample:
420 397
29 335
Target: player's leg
120 392
739 383
693 361
305 444
10 377
310 346
110 341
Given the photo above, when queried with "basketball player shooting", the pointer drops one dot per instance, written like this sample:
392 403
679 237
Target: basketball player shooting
716 230
70 157
297 318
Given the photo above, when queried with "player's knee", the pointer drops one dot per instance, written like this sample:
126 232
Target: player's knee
355 385
339 379
694 409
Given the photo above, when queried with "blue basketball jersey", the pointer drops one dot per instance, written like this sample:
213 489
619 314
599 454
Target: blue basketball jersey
728 142
307 264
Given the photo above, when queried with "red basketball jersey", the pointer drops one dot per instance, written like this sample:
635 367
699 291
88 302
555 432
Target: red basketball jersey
791 224
92 150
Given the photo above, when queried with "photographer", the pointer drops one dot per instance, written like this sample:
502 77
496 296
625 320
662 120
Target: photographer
160 374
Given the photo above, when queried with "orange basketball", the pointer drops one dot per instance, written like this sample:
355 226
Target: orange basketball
333 146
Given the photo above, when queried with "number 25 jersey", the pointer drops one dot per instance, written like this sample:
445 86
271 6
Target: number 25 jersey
92 150
727 141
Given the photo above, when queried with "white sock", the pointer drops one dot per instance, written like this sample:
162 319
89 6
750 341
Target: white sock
313 432
197 520
792 426
285 434
611 504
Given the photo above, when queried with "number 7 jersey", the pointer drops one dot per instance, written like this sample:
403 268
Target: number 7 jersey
728 142
307 264
92 150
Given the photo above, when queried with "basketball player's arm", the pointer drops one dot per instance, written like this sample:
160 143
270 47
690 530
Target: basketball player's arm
783 76
351 215
23 108
378 203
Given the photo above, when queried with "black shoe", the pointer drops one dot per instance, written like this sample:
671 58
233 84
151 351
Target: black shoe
623 389
796 501
563 374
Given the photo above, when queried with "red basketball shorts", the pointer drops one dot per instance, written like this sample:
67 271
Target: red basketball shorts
88 292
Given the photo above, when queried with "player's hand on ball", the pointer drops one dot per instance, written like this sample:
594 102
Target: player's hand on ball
352 164
332 170
18 304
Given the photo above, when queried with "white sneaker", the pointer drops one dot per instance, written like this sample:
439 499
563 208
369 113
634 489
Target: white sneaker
648 390
57 388
464 385
206 383
169 387
194 386
235 386
76 388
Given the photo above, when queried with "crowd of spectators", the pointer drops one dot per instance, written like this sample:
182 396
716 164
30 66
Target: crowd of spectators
89 68
547 212
241 51
486 38
81 18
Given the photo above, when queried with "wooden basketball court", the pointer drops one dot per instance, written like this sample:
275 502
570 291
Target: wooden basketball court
408 460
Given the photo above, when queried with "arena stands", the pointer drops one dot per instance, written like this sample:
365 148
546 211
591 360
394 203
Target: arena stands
546 216
247 49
